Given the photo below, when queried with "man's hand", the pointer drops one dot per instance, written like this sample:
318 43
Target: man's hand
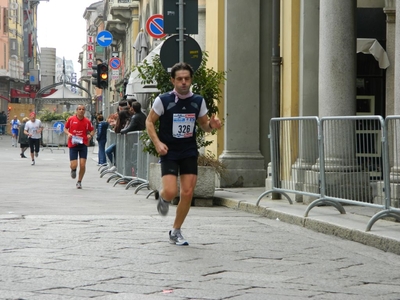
161 148
215 123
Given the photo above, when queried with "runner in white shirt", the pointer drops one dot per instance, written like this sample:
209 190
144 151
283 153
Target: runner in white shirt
33 129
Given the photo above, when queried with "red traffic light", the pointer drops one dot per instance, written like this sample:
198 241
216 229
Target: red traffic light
103 68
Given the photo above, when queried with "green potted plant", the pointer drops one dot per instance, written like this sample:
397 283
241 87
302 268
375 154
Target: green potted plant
207 83
48 116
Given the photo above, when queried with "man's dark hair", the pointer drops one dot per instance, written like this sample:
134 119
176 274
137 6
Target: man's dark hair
130 101
100 118
123 103
136 106
181 66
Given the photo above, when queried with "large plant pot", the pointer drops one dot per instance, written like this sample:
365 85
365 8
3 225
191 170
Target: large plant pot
205 187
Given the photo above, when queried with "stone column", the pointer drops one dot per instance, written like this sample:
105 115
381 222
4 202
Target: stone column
337 76
241 155
390 11
395 141
392 102
337 97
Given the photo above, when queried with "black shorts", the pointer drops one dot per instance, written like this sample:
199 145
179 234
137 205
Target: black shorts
34 145
79 150
182 166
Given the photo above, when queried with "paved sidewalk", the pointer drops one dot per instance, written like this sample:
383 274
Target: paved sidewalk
384 235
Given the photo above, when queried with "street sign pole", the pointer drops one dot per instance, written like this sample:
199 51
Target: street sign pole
181 31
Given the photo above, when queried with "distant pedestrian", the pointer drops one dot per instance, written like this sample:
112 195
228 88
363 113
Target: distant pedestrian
33 129
121 123
23 139
3 122
15 123
80 131
101 137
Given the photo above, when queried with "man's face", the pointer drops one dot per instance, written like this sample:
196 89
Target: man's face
80 111
182 81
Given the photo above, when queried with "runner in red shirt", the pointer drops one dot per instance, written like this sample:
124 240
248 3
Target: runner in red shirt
79 130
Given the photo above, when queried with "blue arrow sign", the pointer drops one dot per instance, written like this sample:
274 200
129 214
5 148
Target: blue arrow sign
58 127
104 38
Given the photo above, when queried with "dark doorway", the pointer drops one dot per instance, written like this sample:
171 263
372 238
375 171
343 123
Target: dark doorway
371 81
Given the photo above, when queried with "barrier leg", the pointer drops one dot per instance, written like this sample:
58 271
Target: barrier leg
320 202
381 215
270 192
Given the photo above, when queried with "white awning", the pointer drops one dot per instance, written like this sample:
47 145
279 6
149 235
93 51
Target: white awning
372 46
135 85
64 93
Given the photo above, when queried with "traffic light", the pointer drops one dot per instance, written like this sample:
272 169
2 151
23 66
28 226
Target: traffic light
102 76
95 76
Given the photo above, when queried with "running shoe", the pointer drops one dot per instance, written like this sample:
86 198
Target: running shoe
79 185
162 205
177 239
73 174
33 163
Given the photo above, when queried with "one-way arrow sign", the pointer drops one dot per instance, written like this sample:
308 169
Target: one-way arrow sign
104 38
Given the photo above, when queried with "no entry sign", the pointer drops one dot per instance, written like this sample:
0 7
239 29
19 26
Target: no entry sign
155 26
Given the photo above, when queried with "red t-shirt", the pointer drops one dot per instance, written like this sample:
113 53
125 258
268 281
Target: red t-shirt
78 128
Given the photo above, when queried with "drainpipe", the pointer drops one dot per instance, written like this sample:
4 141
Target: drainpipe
276 59
276 83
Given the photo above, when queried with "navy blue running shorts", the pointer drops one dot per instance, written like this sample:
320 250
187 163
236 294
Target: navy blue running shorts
78 151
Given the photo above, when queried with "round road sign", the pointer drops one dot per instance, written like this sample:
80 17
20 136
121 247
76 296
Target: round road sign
104 38
155 26
169 52
114 63
58 127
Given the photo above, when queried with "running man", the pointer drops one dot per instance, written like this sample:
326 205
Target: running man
175 141
33 129
80 131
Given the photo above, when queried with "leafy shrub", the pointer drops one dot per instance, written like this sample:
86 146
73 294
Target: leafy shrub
48 116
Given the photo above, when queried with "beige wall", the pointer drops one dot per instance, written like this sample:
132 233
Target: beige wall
290 24
215 48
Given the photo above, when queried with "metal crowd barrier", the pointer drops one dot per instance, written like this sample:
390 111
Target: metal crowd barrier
131 162
290 174
53 138
337 160
111 139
